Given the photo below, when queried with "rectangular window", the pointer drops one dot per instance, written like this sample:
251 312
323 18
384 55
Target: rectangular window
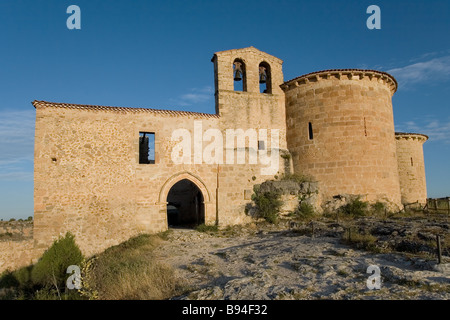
146 147
310 131
261 145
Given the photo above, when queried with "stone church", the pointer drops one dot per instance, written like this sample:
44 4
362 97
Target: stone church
108 173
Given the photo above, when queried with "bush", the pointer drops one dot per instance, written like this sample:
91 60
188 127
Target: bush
299 178
8 280
50 270
378 208
268 205
355 207
304 211
23 276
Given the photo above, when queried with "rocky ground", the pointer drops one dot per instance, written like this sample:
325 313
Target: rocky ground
288 261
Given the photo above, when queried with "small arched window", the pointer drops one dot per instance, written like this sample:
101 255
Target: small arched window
265 78
239 75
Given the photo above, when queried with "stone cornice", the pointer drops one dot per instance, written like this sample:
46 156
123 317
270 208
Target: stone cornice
342 74
411 136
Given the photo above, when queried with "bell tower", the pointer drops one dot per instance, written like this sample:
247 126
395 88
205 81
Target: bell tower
247 90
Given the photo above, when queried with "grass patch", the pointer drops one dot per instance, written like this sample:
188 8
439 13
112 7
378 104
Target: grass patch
129 271
207 228
342 273
299 178
361 240
126 271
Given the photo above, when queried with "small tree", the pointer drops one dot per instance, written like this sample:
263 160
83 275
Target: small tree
268 205
50 270
355 207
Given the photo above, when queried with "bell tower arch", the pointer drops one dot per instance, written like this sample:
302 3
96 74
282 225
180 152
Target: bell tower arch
259 102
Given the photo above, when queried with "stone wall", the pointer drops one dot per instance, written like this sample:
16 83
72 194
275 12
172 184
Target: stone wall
352 149
88 179
411 167
17 254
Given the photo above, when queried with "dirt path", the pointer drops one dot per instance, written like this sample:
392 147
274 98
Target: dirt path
282 264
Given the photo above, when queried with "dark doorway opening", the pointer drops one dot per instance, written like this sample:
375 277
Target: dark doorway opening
185 207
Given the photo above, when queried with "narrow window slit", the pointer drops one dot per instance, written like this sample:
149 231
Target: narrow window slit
365 127
310 131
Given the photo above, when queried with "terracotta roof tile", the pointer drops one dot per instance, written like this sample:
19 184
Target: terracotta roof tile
44 104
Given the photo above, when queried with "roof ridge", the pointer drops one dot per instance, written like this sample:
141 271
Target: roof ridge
41 103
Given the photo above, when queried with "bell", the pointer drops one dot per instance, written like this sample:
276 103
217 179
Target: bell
262 75
238 75
237 71
262 78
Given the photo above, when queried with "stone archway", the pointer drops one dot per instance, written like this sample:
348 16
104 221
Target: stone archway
185 205
185 198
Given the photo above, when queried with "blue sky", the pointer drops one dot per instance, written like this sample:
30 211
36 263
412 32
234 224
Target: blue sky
157 54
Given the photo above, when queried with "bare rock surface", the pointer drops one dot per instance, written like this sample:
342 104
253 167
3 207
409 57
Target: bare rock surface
278 263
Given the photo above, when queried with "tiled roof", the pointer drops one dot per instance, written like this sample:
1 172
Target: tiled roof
45 104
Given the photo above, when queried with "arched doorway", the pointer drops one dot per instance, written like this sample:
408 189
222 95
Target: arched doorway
185 205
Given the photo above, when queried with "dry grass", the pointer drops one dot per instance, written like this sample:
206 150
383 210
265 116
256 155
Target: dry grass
361 240
129 271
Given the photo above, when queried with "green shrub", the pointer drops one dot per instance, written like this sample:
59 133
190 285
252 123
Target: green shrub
207 228
378 208
50 270
304 211
8 280
299 178
268 205
23 276
355 207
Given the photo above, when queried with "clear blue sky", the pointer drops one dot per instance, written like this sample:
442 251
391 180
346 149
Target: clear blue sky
157 54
